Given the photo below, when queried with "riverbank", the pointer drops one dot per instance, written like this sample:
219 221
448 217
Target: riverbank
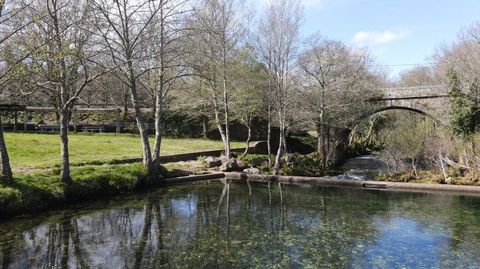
101 165
39 190
361 184
454 177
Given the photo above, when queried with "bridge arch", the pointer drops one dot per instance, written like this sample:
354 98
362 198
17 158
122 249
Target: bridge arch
358 120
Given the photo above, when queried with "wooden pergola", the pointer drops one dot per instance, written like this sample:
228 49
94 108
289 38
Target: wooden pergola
77 110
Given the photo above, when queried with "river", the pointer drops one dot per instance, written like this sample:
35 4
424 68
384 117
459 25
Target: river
239 225
361 168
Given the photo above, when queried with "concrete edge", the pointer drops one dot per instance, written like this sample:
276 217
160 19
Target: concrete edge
369 185
193 178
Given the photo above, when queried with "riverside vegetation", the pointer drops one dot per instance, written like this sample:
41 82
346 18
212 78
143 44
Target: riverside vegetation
96 168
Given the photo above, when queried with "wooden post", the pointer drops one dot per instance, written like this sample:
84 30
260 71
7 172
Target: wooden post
117 117
25 120
15 121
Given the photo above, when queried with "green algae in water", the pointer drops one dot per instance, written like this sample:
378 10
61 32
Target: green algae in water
239 225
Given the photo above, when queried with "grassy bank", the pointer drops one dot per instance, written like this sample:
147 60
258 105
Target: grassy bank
36 188
42 150
454 177
40 190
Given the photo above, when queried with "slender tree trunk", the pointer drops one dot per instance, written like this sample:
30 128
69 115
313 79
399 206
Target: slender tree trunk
125 106
269 135
248 124
269 116
278 156
321 142
276 167
319 139
219 125
147 153
159 94
5 169
442 167
414 166
322 150
227 119
158 128
204 127
65 162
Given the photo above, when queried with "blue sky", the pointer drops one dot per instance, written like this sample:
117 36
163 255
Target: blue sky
396 32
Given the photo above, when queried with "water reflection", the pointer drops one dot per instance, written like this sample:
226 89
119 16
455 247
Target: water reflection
225 225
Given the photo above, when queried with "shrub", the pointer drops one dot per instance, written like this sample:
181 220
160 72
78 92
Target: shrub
9 197
255 160
303 165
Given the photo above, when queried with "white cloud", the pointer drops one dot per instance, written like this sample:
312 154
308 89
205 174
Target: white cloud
380 37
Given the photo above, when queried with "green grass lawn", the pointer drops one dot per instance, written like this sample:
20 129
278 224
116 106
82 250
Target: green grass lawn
43 150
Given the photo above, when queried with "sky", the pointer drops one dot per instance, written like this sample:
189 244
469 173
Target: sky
398 33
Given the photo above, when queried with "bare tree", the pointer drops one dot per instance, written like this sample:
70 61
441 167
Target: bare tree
249 86
64 66
278 37
12 22
418 76
167 67
335 77
219 27
462 56
124 26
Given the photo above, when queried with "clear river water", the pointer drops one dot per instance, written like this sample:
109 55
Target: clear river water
257 225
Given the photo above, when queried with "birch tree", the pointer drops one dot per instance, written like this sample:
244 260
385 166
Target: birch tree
278 38
13 21
336 81
167 66
5 169
63 67
124 27
249 87
219 27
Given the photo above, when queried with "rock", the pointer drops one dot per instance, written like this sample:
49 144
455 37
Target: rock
253 171
229 165
241 165
212 162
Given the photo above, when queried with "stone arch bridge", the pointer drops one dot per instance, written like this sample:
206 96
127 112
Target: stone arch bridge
430 101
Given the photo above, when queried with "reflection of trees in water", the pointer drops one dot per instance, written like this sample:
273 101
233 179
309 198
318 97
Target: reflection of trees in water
142 242
54 245
64 245
239 225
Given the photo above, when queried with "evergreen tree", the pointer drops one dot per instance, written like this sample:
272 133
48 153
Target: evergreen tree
474 95
462 108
